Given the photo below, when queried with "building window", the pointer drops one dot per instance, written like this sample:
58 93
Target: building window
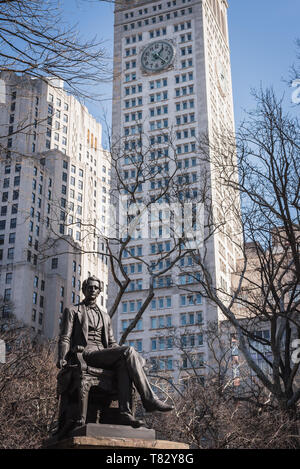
10 253
34 298
13 223
12 238
54 263
8 278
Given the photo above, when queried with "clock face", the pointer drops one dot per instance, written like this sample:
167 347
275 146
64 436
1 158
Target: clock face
157 56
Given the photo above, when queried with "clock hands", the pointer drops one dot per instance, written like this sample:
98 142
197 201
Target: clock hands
156 55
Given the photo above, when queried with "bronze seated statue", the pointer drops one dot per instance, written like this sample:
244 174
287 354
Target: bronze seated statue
95 371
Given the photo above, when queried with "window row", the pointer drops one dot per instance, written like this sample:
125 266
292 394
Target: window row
187 195
130 64
184 77
159 139
186 148
58 102
160 124
191 340
16 182
160 322
185 37
130 77
130 51
133 102
156 19
183 105
158 32
133 268
12 224
182 26
161 303
10 253
133 39
186 50
133 89
154 171
159 183
34 317
187 179
157 97
133 130
133 116
135 285
126 323
162 343
191 319
131 306
161 152
185 134
191 299
162 282
35 299
7 168
158 83
185 119
161 364
57 114
131 145
158 111
154 8
4 211
187 63
187 163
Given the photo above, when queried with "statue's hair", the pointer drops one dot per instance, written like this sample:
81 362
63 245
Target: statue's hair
92 278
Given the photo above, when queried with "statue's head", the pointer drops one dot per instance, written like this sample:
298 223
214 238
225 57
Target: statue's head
91 288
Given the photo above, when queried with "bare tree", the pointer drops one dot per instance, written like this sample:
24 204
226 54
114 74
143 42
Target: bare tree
265 288
36 40
27 386
224 410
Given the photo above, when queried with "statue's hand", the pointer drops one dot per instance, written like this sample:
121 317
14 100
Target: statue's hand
78 349
61 364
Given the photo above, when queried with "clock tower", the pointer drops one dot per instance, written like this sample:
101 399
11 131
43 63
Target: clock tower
172 71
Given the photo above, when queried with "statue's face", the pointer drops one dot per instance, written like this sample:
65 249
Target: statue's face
92 290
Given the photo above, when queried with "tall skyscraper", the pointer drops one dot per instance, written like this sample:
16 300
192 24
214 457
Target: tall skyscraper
55 180
172 74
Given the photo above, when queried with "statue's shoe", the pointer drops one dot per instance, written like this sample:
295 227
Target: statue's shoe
128 419
158 406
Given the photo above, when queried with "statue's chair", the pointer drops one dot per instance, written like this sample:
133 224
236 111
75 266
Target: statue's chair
87 395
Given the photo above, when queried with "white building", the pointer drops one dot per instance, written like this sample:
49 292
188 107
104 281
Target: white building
55 179
172 71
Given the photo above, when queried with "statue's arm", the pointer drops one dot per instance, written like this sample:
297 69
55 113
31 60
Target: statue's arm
65 336
112 343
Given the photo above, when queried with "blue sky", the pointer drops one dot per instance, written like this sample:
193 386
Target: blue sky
262 40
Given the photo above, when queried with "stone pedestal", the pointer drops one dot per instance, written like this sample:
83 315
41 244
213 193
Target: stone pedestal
97 436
